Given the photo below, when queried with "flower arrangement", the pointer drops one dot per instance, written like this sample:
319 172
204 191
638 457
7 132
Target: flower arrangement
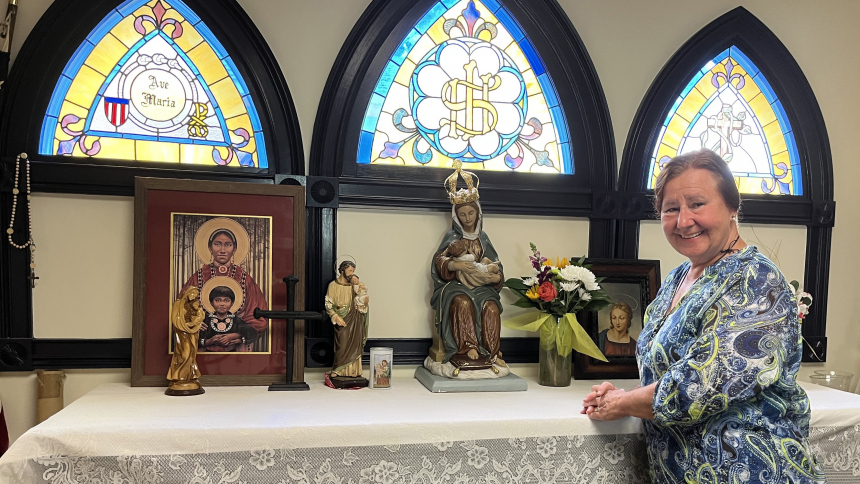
558 289
804 300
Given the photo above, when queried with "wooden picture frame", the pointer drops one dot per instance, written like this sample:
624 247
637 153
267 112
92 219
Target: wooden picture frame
632 282
172 224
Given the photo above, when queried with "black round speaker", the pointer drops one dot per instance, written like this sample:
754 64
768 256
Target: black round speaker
12 355
320 353
323 192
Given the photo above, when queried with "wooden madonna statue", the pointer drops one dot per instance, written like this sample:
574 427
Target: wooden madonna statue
347 304
186 317
467 277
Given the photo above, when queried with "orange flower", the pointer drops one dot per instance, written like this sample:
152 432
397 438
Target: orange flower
547 292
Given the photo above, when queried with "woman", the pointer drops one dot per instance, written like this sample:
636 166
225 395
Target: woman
467 320
222 246
616 340
349 314
719 353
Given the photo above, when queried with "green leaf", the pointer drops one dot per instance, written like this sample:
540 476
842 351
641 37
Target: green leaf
526 303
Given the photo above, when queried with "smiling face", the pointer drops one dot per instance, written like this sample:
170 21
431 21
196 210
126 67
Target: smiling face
619 320
222 249
695 219
468 216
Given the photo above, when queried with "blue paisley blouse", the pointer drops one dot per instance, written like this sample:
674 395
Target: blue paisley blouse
727 408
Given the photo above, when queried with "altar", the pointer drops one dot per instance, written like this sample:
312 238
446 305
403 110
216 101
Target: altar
117 433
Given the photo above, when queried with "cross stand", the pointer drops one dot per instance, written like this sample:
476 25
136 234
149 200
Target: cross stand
290 315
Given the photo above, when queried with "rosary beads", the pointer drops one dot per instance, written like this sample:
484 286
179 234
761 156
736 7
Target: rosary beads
15 192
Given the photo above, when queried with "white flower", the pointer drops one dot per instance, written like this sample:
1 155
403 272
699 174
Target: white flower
569 286
531 281
262 459
613 452
580 274
478 457
584 295
546 446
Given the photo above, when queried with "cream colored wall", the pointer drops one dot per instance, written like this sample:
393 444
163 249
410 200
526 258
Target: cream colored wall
398 274
628 40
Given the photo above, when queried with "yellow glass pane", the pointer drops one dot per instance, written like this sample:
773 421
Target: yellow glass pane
124 31
665 150
172 13
207 63
675 131
227 98
532 84
436 32
421 48
691 105
144 10
69 108
106 54
538 109
775 139
242 121
116 148
705 87
405 73
157 151
517 55
85 86
762 110
190 38
389 161
197 155
750 89
783 158
751 185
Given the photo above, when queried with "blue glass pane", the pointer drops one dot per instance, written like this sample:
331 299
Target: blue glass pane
430 17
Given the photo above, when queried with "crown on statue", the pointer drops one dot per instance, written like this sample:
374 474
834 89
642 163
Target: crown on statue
463 195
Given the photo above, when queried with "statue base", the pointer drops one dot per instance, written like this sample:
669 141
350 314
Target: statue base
184 389
345 382
441 384
486 371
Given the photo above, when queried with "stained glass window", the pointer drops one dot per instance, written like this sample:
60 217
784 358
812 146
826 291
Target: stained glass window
152 83
466 84
730 108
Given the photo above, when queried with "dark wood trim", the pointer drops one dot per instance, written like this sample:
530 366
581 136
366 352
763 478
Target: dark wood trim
65 25
142 187
360 62
646 273
814 209
413 351
24 100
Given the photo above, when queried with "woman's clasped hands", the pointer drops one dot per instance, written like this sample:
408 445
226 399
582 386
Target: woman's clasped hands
604 402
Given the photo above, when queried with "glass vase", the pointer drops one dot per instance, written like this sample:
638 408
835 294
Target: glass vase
554 368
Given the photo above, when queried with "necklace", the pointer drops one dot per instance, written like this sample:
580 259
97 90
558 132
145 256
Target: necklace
15 191
730 250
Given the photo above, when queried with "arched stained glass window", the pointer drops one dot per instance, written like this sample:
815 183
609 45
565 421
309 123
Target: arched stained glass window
152 83
730 108
467 84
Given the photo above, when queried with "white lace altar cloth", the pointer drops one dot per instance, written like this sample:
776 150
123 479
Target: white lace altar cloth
118 434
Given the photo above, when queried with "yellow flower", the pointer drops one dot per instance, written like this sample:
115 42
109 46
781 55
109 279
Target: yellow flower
547 262
533 293
561 264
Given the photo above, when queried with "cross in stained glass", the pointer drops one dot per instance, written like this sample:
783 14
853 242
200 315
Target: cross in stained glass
724 125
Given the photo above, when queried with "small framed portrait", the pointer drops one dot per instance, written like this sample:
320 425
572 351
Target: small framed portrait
632 285
234 243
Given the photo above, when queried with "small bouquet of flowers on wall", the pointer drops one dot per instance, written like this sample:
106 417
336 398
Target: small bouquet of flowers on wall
558 290
804 300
